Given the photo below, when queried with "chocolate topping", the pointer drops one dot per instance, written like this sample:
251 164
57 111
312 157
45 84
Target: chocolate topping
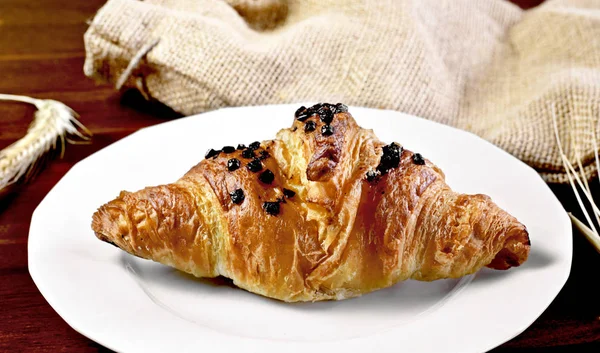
237 197
271 208
255 165
372 175
263 155
327 130
325 114
233 164
390 157
418 159
266 177
341 108
228 149
310 126
303 116
300 111
248 153
212 153
288 193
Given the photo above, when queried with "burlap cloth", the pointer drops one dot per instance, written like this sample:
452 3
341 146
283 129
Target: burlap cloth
484 66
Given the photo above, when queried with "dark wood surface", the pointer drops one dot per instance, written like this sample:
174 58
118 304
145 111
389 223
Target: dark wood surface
41 54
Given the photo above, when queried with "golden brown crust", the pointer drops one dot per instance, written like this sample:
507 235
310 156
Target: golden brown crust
339 236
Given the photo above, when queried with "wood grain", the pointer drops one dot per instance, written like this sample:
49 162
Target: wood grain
41 54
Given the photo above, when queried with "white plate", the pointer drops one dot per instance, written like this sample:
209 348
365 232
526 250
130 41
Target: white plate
133 305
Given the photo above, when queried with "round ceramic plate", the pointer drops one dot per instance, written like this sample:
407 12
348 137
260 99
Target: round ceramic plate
134 305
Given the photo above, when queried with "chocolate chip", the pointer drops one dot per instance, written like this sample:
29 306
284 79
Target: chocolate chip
212 153
233 164
294 129
271 208
255 165
390 157
372 175
228 149
300 111
237 197
316 107
325 114
254 145
418 159
327 130
263 155
248 153
266 177
303 117
396 147
341 108
241 146
310 126
288 193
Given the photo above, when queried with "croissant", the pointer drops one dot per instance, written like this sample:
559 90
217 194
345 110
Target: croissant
324 211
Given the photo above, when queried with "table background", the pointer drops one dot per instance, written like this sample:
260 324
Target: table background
41 55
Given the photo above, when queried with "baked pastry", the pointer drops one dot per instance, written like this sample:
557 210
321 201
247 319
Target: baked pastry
324 211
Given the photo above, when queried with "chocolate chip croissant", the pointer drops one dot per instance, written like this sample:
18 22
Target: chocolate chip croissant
324 211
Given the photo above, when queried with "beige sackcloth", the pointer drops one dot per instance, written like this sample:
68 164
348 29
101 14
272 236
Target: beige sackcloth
484 66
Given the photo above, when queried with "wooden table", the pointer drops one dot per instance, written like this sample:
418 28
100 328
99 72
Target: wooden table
41 54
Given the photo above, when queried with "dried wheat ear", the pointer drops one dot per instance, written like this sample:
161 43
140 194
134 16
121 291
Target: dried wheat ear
54 125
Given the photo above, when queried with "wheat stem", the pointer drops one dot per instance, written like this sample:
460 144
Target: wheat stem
587 194
24 99
596 132
590 234
582 171
582 182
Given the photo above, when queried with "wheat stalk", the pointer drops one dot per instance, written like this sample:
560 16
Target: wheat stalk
54 123
589 231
